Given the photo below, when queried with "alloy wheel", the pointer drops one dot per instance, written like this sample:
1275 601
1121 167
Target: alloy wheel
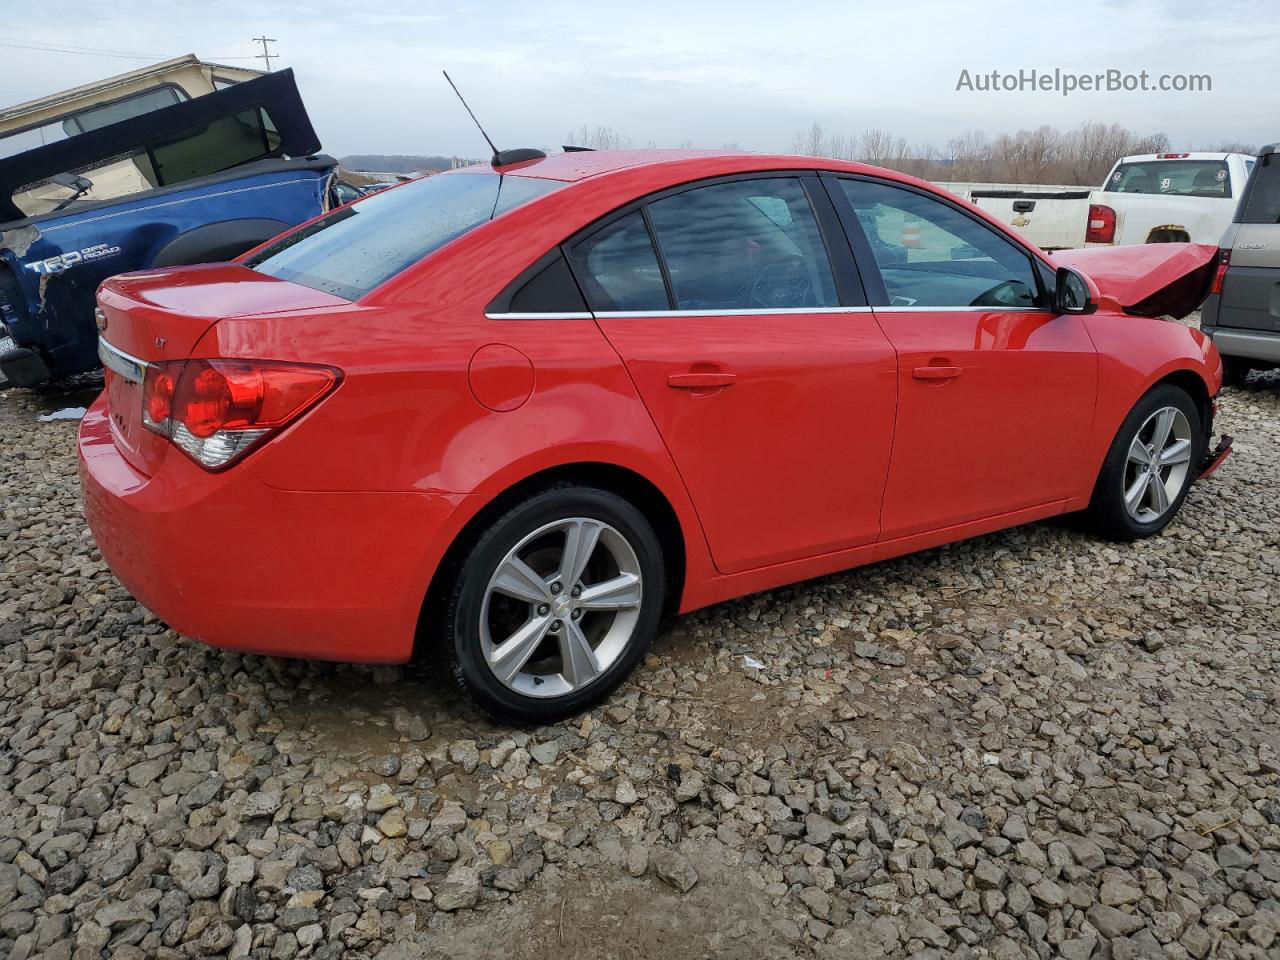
561 607
1159 460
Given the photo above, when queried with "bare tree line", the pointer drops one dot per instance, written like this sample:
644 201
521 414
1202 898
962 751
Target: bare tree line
598 138
1080 156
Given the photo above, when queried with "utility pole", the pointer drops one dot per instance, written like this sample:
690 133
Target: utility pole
266 55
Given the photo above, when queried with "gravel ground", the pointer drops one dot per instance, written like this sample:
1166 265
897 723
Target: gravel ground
1033 744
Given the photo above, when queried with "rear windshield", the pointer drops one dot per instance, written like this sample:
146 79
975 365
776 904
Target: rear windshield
1262 203
1182 178
358 247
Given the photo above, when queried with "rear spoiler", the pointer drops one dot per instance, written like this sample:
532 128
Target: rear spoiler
276 92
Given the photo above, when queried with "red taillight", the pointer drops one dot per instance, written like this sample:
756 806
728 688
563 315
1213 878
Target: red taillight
215 410
1102 224
157 394
1224 260
1172 156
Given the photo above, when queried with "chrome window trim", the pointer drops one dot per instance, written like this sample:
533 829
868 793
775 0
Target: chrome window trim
763 312
963 310
121 363
568 315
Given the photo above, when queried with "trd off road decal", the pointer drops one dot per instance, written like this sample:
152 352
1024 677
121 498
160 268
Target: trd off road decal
71 258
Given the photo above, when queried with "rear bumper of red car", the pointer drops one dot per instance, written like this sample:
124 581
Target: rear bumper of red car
226 559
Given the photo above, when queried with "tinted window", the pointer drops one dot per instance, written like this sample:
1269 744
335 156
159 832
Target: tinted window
1263 203
360 246
551 290
1184 178
619 269
747 244
932 255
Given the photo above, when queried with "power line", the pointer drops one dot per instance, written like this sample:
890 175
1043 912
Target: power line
60 45
41 47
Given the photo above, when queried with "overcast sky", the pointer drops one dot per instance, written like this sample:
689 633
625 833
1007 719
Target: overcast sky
669 71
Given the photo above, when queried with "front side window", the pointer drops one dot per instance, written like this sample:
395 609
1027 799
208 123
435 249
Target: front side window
360 246
932 255
743 245
1179 178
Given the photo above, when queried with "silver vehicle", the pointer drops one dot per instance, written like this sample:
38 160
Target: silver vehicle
1242 313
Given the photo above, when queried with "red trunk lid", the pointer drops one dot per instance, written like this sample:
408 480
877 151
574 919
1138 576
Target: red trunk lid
161 315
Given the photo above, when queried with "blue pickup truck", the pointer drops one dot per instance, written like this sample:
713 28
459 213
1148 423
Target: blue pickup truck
199 181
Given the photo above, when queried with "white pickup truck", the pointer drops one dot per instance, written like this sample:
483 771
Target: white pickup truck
1049 215
1167 198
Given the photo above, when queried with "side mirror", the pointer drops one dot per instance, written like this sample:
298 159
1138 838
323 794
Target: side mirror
1071 293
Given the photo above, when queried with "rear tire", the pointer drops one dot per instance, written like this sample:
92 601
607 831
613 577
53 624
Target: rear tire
554 604
1150 466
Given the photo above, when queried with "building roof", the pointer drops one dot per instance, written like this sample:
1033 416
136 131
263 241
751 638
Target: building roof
18 111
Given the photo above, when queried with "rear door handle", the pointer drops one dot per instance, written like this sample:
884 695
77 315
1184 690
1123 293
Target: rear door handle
700 381
936 373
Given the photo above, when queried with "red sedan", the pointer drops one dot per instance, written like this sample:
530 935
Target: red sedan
522 412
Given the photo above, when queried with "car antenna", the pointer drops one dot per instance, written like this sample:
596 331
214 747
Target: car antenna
500 157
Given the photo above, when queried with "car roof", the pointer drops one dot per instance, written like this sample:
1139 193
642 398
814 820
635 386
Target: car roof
626 175
578 165
581 164
575 165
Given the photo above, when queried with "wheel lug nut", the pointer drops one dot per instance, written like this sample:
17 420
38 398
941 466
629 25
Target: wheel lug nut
555 626
576 592
577 614
543 609
556 588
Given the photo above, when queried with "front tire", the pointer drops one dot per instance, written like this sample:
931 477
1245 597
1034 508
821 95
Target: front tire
1150 466
554 604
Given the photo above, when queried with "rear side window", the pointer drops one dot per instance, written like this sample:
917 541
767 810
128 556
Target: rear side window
360 246
932 255
744 245
1180 178
619 268
1262 205
551 290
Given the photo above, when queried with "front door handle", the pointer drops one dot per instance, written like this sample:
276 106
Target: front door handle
936 373
700 381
